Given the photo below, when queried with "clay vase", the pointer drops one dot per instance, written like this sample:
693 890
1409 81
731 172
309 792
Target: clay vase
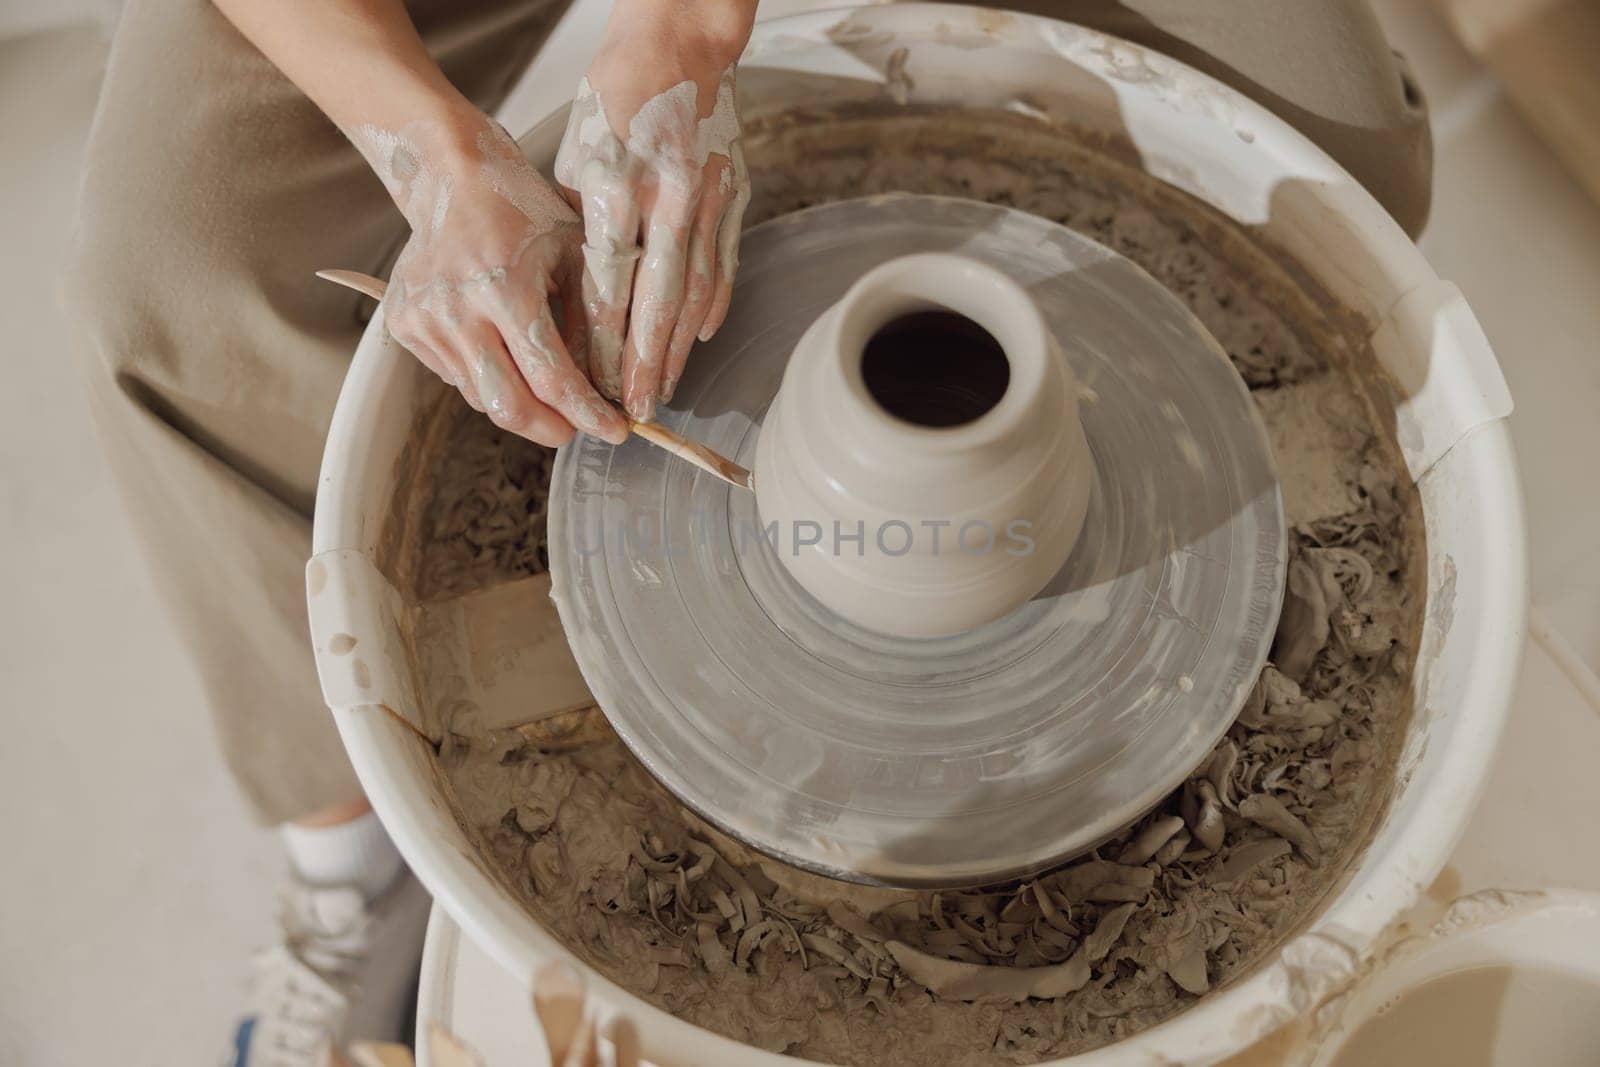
923 463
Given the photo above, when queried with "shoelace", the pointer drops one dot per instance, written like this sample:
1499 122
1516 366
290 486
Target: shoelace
306 984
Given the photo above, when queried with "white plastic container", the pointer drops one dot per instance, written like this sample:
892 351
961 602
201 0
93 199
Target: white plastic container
1518 973
1449 407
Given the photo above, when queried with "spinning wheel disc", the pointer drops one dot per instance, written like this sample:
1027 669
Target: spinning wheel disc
948 761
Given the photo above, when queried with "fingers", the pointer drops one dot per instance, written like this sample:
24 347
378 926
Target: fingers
547 369
658 292
699 288
572 197
502 391
574 323
610 254
681 179
434 362
455 374
729 230
509 361
436 353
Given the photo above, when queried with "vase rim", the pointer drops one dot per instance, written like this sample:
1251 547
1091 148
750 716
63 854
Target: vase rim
976 291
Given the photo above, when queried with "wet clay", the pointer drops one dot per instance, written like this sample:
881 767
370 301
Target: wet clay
1184 901
486 519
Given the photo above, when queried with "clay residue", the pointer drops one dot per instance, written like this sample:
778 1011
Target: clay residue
484 521
1191 897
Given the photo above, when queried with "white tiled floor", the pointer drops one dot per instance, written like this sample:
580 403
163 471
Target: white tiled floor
135 886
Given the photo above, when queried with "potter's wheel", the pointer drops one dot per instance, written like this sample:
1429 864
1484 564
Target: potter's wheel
945 761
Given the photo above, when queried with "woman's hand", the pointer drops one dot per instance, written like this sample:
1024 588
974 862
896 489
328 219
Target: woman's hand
492 244
652 157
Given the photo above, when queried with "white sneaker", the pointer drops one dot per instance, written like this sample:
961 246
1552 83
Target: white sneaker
345 970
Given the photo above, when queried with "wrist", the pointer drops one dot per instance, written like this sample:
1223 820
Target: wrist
727 24
450 135
717 29
435 148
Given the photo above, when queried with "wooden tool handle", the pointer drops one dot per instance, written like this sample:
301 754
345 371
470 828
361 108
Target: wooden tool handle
694 452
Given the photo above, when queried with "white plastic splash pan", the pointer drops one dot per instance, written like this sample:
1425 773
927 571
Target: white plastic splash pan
1539 958
1190 131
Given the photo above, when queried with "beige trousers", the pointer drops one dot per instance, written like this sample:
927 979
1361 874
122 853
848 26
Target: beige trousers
214 189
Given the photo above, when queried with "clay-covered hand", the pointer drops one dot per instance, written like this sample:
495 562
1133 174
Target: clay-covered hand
492 246
652 156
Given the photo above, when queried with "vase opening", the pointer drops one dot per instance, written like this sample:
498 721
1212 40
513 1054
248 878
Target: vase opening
935 368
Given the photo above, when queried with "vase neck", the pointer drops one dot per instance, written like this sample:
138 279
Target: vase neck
936 354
